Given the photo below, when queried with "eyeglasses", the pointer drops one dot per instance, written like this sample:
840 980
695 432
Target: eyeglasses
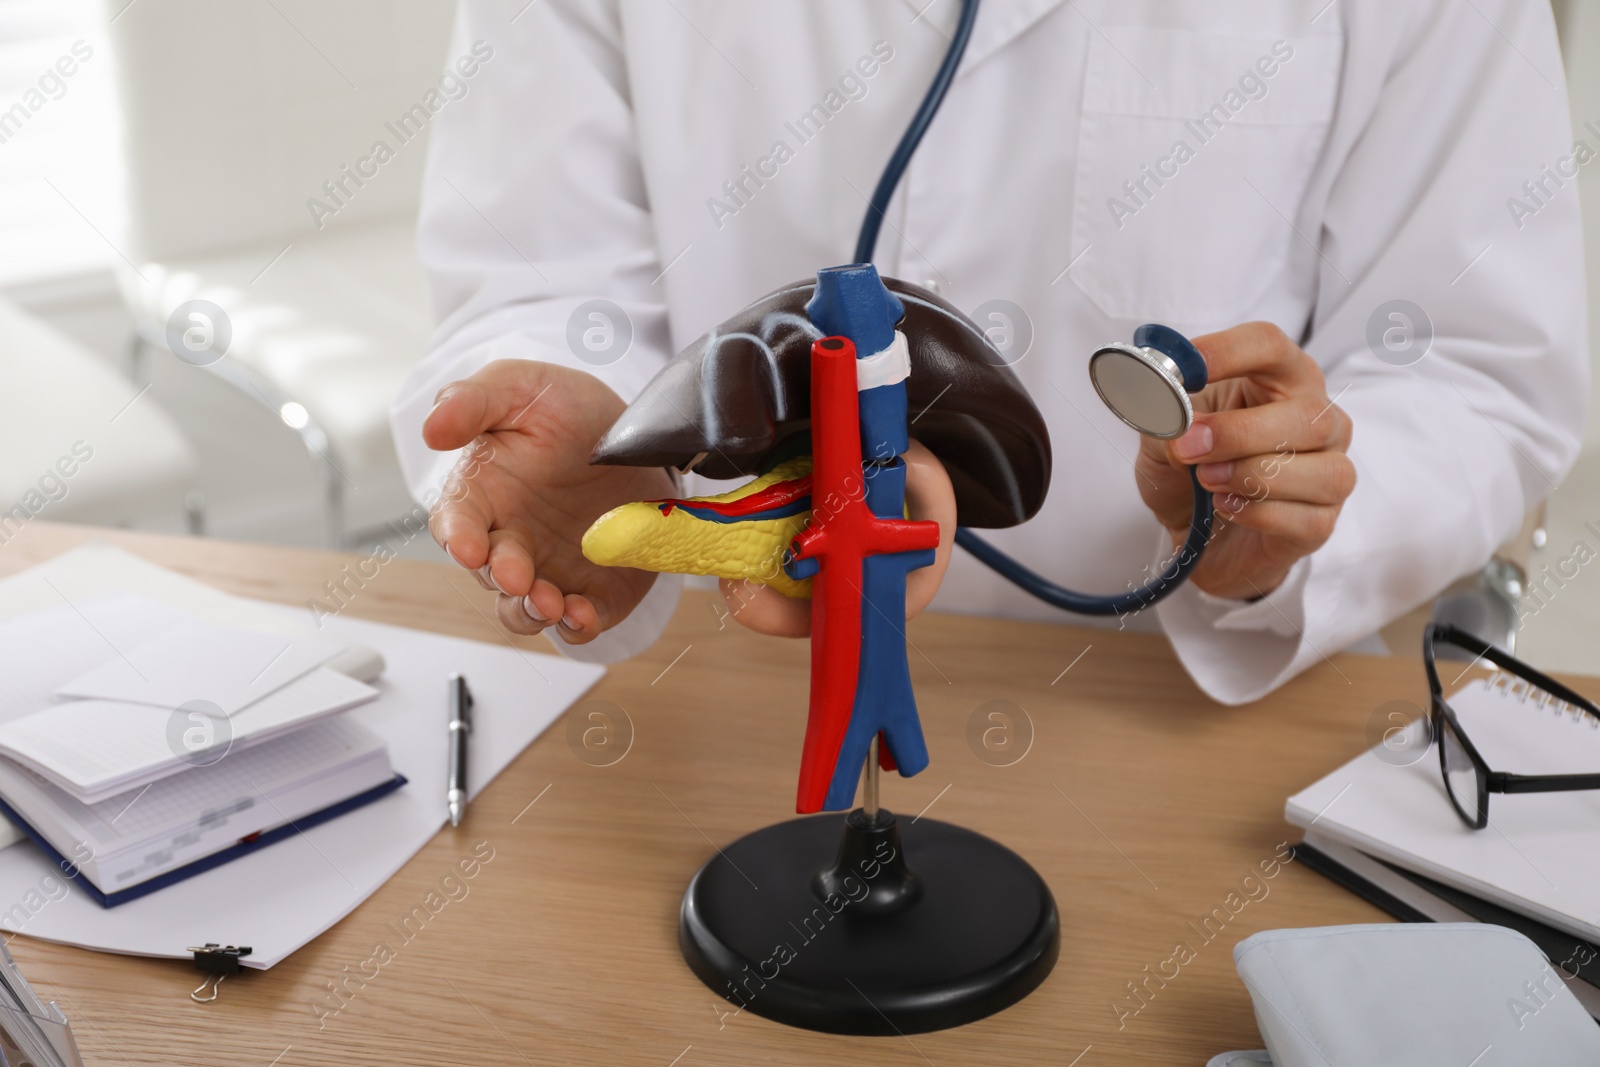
1467 777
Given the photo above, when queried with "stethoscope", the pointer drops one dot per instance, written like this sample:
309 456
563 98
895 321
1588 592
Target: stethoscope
1146 384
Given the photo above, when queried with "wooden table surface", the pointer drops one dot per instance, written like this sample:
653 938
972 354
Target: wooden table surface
1143 804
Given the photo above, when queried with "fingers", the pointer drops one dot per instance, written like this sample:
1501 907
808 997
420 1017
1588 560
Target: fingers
464 525
581 621
542 607
494 398
1258 350
514 614
461 520
544 603
485 579
1299 527
765 610
1306 423
1165 490
510 568
1325 478
929 495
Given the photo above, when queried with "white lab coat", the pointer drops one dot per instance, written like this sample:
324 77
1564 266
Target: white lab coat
683 157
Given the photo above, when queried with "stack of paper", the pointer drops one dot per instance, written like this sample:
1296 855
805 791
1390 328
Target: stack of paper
182 699
132 839
176 743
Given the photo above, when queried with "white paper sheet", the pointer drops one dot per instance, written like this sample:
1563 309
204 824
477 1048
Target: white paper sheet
52 642
97 749
201 661
89 574
281 897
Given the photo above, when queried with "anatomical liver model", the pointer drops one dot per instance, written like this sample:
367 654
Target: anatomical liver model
816 391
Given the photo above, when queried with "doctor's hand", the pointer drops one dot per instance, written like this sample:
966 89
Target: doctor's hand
1270 445
517 503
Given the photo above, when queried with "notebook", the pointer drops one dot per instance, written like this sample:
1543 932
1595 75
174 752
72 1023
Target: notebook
95 749
1539 856
136 842
140 744
166 691
1413 898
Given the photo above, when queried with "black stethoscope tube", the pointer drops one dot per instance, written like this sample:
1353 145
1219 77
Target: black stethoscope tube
1185 559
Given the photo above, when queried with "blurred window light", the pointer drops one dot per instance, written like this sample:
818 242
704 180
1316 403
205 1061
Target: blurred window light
61 208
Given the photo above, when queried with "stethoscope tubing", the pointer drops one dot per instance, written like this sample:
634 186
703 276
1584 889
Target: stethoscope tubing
1186 558
1176 571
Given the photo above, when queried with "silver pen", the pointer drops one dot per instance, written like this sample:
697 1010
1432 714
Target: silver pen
460 699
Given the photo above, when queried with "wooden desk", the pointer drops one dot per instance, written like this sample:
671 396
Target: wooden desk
1143 804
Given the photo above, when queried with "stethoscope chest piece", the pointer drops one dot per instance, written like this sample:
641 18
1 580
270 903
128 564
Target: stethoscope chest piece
1147 384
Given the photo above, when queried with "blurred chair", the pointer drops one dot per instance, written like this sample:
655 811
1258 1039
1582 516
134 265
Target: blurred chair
78 443
241 118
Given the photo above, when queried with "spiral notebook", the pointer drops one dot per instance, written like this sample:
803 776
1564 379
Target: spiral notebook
1539 855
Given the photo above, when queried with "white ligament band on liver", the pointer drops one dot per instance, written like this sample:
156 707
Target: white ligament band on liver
887 367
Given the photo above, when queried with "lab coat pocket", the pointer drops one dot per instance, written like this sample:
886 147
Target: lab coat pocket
1194 153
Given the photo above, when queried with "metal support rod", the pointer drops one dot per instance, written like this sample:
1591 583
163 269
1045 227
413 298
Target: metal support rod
869 781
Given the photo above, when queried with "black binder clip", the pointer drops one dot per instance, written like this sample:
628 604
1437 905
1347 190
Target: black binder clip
217 961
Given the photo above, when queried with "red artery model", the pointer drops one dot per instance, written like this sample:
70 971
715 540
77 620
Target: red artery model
842 533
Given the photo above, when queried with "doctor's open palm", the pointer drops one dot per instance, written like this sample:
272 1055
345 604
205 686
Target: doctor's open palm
516 506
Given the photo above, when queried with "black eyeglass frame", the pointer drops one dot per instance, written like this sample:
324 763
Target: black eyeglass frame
1442 717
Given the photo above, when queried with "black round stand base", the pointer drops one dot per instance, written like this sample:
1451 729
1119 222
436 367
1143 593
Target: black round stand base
818 923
